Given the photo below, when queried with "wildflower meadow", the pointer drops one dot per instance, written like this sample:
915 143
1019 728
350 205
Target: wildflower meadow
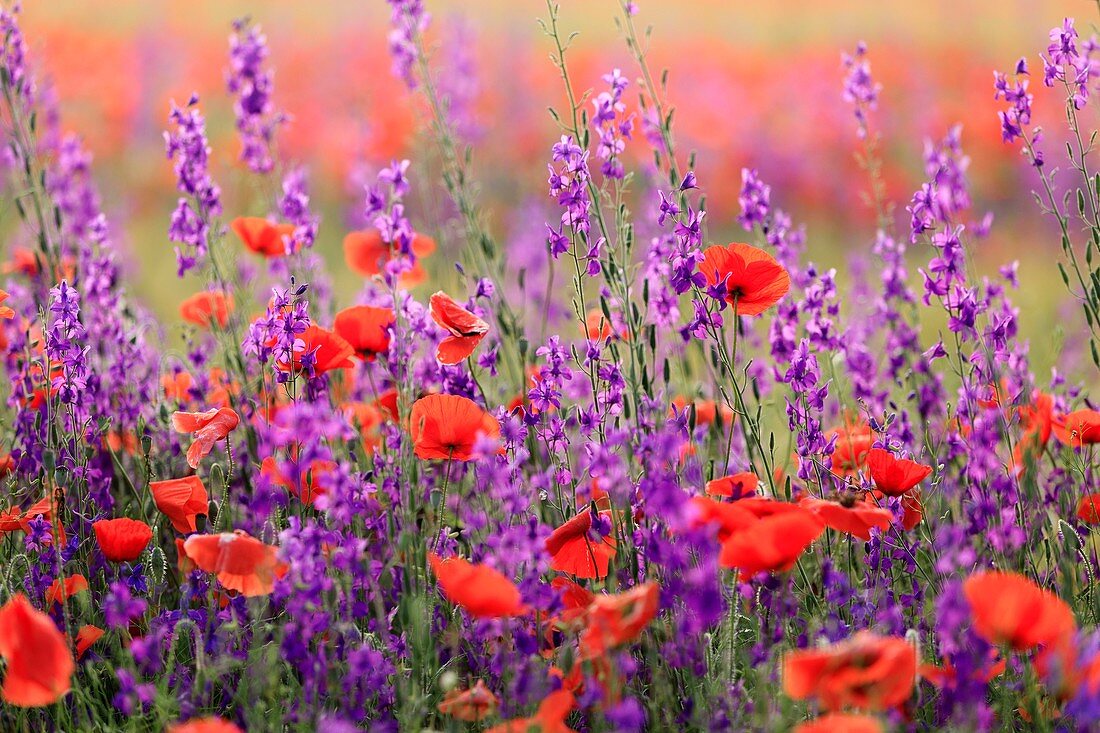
619 456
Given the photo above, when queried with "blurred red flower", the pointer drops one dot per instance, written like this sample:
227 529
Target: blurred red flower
617 619
39 663
1078 428
1008 608
207 308
472 705
262 236
856 519
549 718
483 591
867 672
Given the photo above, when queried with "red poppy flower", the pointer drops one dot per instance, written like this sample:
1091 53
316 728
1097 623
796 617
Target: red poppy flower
550 717
618 619
262 236
177 387
1078 428
853 443
367 254
465 328
23 261
895 476
912 510
204 725
729 517
1007 608
181 500
857 520
754 280
365 328
483 591
772 544
208 428
387 402
5 311
240 562
706 411
736 486
122 539
59 592
1088 509
15 519
40 665
207 308
598 327
327 350
1036 420
448 426
573 551
307 486
472 705
841 723
87 636
867 672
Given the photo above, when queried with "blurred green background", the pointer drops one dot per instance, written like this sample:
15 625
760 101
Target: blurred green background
754 84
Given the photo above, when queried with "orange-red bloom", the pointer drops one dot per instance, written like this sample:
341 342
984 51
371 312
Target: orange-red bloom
573 551
262 236
841 723
1078 428
5 311
472 705
550 717
122 539
1008 608
1088 509
177 387
366 254
181 500
327 351
207 308
735 486
448 426
59 592
85 637
40 665
307 485
466 330
204 725
754 280
483 591
618 619
867 672
208 428
365 328
240 561
895 476
773 544
853 443
857 520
